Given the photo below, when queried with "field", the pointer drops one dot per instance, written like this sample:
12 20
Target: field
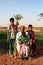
4 43
39 40
5 59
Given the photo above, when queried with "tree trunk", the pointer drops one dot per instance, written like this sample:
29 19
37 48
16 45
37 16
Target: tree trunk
17 23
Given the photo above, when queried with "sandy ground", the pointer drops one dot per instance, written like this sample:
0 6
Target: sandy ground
5 59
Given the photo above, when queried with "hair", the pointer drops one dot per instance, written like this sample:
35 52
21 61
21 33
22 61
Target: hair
30 25
12 19
22 27
23 34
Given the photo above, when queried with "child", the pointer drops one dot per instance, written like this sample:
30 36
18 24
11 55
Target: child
23 41
32 40
11 36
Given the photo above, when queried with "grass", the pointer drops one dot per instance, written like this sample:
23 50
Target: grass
4 44
39 40
3 35
38 35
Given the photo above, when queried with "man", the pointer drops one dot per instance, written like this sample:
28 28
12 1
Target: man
12 30
22 30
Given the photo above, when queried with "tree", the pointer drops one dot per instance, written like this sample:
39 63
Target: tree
18 17
41 16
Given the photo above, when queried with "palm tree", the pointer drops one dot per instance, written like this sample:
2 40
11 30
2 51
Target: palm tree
41 16
18 17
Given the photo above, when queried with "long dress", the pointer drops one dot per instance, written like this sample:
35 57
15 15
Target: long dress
23 45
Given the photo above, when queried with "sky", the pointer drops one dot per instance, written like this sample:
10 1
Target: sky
29 9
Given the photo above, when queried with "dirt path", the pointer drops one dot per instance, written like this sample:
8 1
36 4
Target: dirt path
6 60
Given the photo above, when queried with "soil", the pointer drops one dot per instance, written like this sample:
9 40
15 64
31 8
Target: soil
5 59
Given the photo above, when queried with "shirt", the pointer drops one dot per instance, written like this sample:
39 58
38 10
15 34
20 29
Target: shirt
19 34
11 34
23 40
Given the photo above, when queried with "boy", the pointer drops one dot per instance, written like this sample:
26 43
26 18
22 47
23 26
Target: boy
32 40
12 30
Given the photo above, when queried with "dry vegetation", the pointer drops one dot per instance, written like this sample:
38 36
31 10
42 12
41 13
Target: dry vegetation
36 29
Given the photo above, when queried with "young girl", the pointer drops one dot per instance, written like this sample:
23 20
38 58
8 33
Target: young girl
23 41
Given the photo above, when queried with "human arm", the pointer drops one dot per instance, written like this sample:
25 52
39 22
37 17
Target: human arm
8 33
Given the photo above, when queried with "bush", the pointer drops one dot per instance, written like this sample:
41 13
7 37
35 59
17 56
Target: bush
4 44
39 40
3 35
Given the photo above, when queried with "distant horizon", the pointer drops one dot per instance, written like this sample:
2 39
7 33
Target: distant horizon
20 25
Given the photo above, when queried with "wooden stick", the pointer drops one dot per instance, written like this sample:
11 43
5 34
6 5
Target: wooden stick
15 54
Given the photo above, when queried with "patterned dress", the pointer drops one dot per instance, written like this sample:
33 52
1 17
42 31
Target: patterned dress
23 45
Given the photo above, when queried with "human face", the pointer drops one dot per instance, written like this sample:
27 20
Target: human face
22 28
30 28
11 22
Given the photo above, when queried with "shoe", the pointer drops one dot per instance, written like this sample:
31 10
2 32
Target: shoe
25 57
22 57
11 55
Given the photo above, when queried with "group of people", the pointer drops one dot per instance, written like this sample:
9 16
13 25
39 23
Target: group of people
25 40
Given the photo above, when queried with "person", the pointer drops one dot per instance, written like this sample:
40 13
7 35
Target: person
32 39
11 36
23 41
19 34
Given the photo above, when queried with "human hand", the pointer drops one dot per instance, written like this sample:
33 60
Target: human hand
19 42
